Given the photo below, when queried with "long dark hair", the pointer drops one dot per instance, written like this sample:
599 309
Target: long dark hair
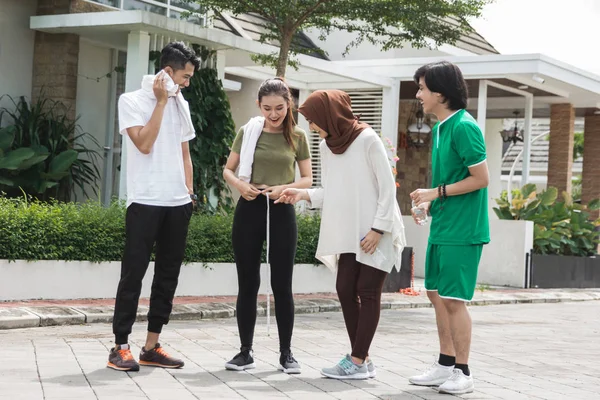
278 87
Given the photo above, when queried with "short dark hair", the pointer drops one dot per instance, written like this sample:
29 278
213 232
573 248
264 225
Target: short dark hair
176 55
445 78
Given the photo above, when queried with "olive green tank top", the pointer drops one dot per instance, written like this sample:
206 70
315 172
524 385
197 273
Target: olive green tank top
274 159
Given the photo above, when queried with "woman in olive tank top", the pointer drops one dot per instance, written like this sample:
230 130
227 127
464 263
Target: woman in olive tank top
266 150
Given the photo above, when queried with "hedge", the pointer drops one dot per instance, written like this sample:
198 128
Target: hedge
90 232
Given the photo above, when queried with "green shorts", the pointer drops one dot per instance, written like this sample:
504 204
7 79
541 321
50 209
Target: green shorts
452 270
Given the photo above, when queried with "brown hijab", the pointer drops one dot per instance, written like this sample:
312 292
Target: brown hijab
331 110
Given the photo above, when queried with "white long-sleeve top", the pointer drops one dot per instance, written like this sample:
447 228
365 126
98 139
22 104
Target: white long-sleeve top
358 193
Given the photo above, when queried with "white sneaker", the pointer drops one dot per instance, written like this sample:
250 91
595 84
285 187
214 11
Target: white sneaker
458 383
434 375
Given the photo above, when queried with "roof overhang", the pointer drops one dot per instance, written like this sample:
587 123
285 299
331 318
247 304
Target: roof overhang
560 82
111 28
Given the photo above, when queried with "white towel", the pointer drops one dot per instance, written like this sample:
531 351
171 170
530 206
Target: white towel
252 131
173 91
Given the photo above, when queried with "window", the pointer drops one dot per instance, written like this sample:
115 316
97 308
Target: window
171 8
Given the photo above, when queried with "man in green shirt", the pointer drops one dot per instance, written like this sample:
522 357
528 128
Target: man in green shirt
460 225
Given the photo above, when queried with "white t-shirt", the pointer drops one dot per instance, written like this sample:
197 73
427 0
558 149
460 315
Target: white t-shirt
158 178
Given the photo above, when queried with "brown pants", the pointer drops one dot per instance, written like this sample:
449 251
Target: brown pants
359 289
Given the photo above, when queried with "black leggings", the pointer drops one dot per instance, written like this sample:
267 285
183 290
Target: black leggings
248 236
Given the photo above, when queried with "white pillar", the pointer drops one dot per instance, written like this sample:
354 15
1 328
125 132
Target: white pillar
302 96
527 140
221 65
493 144
390 110
138 52
482 105
107 181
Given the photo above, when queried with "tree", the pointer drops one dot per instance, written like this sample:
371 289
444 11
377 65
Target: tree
386 23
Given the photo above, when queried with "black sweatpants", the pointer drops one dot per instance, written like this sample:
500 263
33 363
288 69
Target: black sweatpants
248 235
144 226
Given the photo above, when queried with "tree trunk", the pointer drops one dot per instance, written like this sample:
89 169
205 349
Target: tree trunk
284 53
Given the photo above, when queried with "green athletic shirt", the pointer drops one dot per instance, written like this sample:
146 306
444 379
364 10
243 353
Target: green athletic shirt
458 144
274 160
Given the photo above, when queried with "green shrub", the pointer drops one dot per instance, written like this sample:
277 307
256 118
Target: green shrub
69 231
43 152
562 227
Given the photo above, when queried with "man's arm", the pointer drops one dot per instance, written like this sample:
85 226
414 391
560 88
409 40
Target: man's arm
144 136
470 146
478 179
188 167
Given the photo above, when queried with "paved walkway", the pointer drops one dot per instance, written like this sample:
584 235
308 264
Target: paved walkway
520 351
26 314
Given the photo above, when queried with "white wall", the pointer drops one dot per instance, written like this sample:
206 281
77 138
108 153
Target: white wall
93 97
493 143
16 48
503 259
243 102
23 280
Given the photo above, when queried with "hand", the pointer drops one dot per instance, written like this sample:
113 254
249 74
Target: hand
273 192
292 196
159 89
247 191
370 242
193 197
421 196
425 207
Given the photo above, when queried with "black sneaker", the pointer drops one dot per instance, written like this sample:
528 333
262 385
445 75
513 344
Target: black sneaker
121 359
288 364
158 357
242 361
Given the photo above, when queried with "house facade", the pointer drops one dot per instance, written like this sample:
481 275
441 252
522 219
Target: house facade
70 49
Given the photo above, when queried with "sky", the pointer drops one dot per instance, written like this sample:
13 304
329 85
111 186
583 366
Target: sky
566 30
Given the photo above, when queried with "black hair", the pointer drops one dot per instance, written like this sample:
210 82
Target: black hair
445 78
278 87
176 55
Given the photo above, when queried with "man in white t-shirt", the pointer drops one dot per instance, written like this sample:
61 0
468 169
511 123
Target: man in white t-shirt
156 126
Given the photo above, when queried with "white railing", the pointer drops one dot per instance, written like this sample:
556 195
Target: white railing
168 8
512 169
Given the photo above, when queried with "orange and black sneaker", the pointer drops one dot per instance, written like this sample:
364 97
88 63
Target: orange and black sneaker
121 359
158 357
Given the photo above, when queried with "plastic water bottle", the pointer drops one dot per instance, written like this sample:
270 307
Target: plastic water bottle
378 257
420 214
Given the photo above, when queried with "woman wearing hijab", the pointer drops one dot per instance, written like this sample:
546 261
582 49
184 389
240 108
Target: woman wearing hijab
362 235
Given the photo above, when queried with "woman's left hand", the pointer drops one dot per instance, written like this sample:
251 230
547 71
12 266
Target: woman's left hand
370 242
421 196
274 192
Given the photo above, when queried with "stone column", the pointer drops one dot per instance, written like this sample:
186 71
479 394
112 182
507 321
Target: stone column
560 156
